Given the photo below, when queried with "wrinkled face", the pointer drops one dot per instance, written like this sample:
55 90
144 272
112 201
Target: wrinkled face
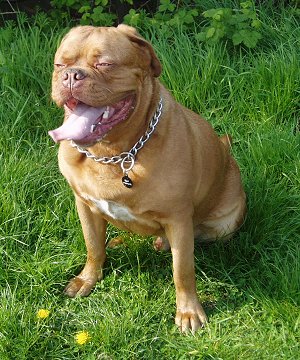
98 74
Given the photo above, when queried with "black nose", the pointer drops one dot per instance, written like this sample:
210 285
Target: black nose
73 77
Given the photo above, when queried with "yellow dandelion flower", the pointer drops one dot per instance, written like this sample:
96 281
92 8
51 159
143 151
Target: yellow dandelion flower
42 314
82 337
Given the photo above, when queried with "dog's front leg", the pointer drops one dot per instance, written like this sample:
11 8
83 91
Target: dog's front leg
94 229
189 314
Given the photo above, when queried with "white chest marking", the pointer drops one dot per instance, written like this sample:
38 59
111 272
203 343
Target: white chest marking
114 210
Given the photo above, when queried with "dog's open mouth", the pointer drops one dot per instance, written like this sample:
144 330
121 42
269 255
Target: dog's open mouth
86 124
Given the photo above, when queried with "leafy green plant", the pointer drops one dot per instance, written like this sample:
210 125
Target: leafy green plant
167 15
241 26
97 14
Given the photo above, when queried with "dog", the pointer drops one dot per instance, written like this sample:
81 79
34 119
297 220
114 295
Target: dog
139 160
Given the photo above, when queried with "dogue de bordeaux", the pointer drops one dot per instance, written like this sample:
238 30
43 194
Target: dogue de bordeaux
136 158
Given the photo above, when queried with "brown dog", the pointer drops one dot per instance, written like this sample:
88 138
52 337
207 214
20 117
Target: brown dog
138 159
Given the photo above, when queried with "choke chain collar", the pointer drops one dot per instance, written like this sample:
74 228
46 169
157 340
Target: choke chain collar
126 159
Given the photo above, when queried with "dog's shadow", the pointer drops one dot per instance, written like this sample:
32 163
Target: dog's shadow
222 269
229 274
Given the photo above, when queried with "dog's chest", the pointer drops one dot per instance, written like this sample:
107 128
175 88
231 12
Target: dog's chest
114 210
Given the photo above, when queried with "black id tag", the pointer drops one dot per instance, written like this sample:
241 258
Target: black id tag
127 181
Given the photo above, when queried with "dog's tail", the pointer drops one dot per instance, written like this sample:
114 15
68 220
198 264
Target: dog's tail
226 140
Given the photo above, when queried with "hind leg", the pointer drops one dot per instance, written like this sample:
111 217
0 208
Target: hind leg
228 214
161 243
221 226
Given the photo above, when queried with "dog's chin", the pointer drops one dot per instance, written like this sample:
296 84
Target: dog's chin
86 124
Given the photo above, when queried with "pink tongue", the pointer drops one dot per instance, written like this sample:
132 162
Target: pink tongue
79 123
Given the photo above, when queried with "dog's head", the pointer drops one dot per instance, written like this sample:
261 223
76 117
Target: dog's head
98 75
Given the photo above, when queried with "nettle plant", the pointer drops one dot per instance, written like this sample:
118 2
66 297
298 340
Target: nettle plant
241 26
99 12
167 14
92 12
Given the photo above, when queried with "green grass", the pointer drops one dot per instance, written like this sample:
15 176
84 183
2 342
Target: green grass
250 287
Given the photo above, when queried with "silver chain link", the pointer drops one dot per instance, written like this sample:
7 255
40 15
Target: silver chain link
127 158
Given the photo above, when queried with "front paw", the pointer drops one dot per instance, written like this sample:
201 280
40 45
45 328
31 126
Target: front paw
80 286
190 317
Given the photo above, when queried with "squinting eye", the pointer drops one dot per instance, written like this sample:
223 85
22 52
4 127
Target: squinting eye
59 65
99 65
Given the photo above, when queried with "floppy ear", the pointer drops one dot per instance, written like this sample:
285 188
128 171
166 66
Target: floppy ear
135 37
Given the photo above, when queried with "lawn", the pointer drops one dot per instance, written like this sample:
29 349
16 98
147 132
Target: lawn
250 287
